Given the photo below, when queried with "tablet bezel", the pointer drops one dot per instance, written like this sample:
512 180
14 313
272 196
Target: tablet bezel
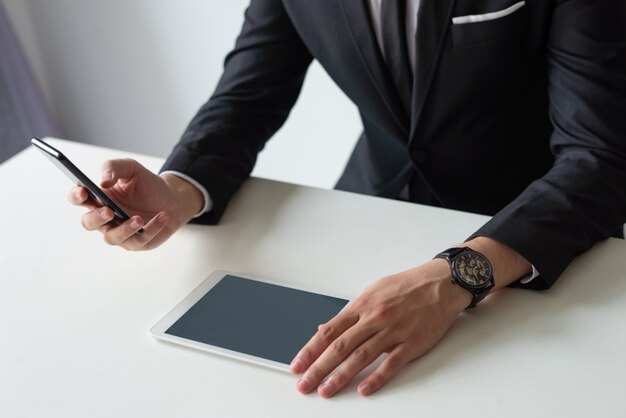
159 329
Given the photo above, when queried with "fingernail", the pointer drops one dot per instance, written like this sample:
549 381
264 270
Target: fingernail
297 366
327 389
365 389
162 218
107 175
104 214
304 385
135 224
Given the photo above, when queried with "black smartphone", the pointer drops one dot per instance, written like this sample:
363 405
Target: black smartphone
80 179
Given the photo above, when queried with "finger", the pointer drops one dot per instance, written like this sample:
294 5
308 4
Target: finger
78 196
95 219
114 170
359 359
398 357
325 335
333 356
132 241
150 235
121 233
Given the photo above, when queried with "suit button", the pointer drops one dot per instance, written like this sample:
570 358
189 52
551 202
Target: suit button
419 156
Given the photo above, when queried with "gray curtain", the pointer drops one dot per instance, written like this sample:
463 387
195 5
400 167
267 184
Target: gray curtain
23 111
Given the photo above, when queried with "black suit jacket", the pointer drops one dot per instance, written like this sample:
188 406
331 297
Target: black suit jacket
522 117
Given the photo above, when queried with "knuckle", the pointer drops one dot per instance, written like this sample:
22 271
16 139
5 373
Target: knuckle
379 314
361 355
314 374
306 354
339 378
338 347
326 333
394 362
363 301
109 239
83 222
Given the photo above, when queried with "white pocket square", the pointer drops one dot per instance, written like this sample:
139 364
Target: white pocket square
460 20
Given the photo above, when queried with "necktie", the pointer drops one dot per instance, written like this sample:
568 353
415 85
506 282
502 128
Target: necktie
393 23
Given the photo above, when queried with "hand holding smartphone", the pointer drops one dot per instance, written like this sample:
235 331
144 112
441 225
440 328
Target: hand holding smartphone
80 179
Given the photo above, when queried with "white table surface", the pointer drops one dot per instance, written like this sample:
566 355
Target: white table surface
75 313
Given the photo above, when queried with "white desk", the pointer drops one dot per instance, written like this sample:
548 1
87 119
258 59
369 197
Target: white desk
75 313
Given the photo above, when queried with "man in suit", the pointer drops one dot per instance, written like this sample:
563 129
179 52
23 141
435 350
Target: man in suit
515 109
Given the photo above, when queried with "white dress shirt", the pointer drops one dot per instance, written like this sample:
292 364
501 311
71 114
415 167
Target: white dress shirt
412 7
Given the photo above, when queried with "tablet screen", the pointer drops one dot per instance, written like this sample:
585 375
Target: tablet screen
252 317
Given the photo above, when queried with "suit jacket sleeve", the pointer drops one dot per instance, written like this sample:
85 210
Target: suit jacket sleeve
582 199
262 79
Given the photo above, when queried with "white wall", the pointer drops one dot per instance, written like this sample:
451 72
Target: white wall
130 74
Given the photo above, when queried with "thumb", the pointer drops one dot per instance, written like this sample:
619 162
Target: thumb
114 170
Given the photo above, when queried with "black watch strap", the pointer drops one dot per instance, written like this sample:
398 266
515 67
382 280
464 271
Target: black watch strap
479 292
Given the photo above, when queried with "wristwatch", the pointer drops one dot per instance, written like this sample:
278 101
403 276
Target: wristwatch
471 270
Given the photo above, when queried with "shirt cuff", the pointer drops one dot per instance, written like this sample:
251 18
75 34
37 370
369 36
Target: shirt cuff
208 203
530 277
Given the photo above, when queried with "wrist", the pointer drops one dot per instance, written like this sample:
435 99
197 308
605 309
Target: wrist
450 295
186 200
508 265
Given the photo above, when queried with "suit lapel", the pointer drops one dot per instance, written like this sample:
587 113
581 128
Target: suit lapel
359 21
433 23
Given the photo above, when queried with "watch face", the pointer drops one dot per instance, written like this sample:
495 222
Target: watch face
473 269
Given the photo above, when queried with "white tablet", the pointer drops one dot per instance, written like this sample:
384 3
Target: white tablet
247 318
